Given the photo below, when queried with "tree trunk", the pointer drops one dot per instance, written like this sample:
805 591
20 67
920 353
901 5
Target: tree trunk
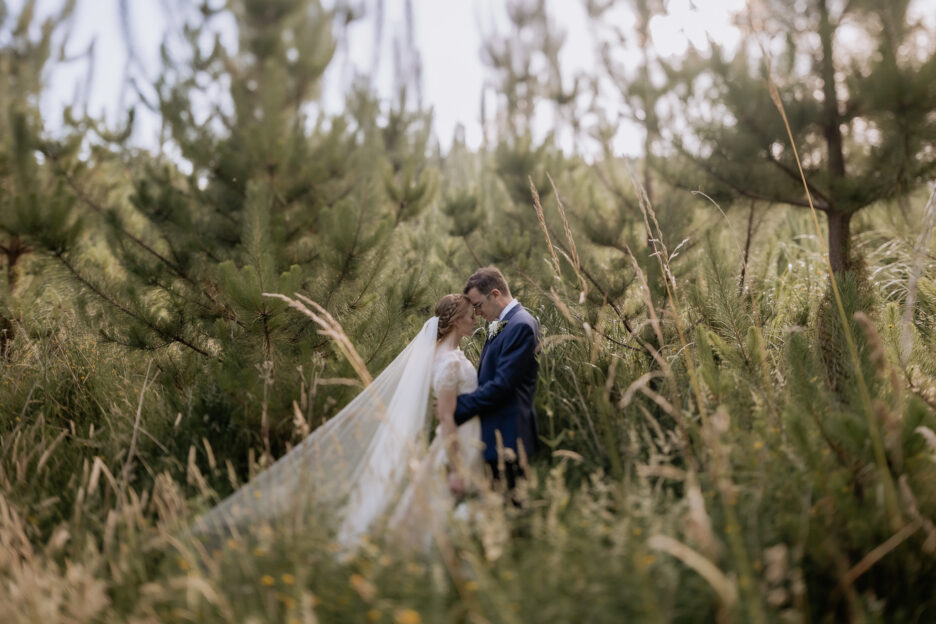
839 221
6 337
831 125
839 240
13 250
649 101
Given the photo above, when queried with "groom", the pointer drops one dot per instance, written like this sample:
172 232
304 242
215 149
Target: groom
506 377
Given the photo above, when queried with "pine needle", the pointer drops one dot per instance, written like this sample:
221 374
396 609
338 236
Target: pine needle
331 329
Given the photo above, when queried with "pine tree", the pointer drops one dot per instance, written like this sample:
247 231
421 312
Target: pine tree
263 196
638 95
32 204
862 122
618 223
528 79
864 130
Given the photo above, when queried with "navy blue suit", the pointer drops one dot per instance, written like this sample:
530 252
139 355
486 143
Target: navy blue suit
506 384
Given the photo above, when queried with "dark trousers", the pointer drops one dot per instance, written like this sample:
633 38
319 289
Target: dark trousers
506 479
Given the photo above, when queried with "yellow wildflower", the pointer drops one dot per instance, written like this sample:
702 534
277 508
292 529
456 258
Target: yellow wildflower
289 579
407 616
288 601
267 580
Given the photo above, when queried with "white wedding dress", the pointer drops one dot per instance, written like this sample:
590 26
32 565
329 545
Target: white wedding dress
369 464
425 507
452 370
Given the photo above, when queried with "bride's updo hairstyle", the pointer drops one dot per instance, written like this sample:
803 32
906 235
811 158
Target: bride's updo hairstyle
449 308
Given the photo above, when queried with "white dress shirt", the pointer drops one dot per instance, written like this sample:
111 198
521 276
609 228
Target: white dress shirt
492 328
507 308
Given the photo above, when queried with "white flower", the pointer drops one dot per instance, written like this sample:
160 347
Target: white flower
495 328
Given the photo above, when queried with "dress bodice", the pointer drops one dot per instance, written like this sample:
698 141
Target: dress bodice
451 369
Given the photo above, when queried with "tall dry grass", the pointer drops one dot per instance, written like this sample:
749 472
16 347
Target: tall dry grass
698 469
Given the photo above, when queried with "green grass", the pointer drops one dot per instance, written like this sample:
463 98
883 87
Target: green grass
754 496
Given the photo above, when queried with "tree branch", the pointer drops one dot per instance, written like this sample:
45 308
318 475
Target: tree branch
801 203
97 291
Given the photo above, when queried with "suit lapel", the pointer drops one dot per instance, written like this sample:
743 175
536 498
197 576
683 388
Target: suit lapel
484 350
490 341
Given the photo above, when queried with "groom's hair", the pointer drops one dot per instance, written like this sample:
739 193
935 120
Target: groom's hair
486 280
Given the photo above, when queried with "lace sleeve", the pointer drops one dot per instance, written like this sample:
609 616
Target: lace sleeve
445 375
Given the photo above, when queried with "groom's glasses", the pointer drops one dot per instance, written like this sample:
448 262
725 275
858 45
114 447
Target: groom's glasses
477 305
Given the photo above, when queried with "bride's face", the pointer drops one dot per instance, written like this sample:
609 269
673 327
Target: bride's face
465 323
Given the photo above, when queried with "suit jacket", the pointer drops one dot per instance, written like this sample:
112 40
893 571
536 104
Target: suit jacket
507 376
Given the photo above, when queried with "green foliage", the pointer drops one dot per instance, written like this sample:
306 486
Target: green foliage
462 208
839 370
743 150
707 454
33 204
270 204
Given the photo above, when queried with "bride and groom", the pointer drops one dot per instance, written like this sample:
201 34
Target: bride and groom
371 462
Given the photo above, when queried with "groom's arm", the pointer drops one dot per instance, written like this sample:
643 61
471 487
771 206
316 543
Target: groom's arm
516 356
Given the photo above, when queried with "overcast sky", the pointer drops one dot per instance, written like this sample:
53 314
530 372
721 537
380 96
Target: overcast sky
448 35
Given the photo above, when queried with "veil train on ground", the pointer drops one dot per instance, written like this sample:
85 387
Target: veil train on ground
353 464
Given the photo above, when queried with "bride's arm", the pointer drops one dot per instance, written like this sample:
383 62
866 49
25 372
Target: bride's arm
445 411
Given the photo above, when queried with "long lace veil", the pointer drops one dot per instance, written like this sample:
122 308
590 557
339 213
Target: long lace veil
353 464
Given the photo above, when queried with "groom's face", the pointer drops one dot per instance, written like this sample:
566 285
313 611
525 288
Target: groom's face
485 306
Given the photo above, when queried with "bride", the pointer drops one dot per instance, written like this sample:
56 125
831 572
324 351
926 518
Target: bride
454 463
371 463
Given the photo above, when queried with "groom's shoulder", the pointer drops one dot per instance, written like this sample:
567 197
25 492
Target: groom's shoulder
523 317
